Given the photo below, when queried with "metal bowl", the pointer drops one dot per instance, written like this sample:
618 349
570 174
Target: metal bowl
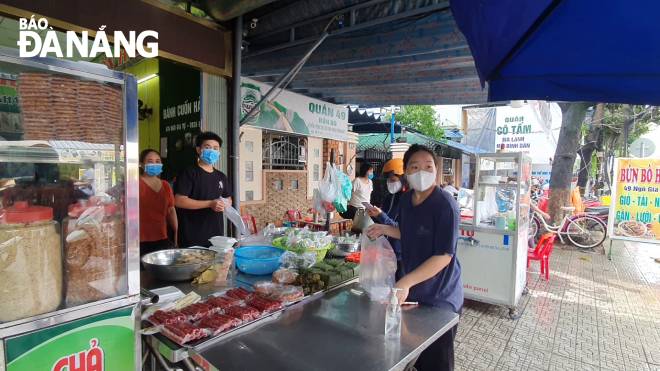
349 247
345 249
178 264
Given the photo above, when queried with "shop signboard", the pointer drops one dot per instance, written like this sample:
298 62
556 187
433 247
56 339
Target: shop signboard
180 116
104 342
293 113
525 130
635 207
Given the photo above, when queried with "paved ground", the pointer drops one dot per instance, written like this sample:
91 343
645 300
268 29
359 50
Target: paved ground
593 314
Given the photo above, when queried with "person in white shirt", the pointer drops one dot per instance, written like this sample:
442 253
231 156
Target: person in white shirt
362 188
450 188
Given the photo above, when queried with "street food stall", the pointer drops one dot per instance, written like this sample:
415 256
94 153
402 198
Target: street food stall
492 246
275 298
69 273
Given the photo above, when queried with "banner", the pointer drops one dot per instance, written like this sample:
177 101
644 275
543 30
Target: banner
635 206
180 116
293 113
104 342
527 129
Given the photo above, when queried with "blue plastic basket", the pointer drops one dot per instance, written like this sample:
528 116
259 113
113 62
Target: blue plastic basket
258 260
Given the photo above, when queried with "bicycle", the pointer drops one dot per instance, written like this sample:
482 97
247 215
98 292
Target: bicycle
582 230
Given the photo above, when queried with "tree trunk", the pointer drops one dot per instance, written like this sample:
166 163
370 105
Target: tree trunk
590 145
565 155
628 126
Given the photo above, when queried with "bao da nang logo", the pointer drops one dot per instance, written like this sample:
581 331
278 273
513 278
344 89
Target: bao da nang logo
33 42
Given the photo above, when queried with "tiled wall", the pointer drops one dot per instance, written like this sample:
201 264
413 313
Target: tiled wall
277 201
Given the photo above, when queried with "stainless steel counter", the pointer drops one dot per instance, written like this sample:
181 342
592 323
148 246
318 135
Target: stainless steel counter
341 330
149 282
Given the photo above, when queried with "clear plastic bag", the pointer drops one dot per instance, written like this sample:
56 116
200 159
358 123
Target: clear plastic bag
285 276
292 260
377 267
235 218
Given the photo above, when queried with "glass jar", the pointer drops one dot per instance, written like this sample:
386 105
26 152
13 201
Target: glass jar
93 253
30 262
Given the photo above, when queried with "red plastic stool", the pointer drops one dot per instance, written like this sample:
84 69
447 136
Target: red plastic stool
542 253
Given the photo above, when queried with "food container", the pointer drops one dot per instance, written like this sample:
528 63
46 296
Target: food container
347 245
222 241
258 260
223 263
30 262
94 253
178 264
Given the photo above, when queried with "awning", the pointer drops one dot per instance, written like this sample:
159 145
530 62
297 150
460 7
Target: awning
444 148
588 50
379 52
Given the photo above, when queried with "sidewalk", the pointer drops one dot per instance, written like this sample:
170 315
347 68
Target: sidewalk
593 314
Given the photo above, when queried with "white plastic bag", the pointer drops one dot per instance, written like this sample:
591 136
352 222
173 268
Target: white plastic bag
328 186
235 218
377 267
317 201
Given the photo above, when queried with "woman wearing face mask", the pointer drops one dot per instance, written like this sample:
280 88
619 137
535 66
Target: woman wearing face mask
389 214
428 230
156 205
362 188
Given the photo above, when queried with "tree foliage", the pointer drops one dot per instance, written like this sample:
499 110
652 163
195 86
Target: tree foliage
606 134
421 118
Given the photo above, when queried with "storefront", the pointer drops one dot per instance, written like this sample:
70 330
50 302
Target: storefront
284 150
178 102
182 91
68 173
376 149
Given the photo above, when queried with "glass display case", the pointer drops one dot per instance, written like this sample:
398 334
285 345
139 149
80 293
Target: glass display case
68 197
501 195
492 246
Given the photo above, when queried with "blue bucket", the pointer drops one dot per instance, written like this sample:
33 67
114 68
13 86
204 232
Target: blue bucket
258 260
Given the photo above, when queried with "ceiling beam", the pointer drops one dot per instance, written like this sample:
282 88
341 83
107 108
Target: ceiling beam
458 57
373 22
265 32
404 70
412 100
433 34
392 79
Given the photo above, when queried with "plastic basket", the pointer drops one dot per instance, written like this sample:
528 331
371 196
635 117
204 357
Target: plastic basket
320 253
257 260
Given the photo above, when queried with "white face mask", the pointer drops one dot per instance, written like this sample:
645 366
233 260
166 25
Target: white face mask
421 180
394 187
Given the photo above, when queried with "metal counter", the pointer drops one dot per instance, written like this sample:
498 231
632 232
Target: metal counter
341 330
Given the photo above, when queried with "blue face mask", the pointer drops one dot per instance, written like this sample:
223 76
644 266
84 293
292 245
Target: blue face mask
210 156
371 176
153 169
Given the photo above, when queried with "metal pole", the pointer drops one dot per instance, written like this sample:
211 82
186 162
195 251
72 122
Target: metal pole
392 127
289 74
236 113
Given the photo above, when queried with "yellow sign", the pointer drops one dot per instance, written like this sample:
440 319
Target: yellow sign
635 208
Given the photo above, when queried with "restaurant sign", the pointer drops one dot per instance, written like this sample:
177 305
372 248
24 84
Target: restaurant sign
635 207
522 130
293 113
105 342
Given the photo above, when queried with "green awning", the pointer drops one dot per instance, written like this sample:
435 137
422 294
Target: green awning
381 141
444 148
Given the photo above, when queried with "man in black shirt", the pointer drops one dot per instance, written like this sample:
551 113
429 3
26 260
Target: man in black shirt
198 191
